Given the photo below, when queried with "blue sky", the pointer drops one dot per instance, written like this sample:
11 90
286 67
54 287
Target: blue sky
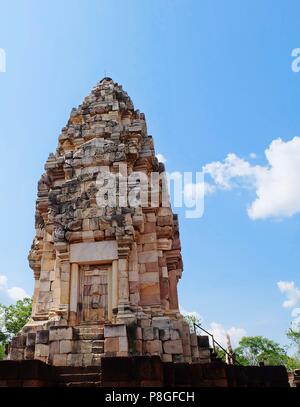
213 78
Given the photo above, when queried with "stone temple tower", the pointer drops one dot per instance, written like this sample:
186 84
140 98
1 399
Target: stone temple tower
105 275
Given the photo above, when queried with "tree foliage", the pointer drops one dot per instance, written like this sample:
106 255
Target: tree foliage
253 350
191 320
12 319
17 315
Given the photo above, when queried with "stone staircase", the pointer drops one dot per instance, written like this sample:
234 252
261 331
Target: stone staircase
90 342
73 376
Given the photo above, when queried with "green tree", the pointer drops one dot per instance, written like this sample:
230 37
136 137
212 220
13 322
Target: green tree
253 350
220 353
12 319
17 315
192 319
294 336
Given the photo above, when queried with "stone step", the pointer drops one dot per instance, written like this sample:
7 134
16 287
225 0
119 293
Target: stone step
89 332
83 384
98 349
77 370
73 378
89 336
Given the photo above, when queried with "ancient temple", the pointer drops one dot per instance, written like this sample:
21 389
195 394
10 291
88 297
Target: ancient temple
105 275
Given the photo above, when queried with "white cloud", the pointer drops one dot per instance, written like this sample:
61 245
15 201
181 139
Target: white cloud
292 292
253 155
190 313
161 158
276 184
219 333
227 174
218 330
14 293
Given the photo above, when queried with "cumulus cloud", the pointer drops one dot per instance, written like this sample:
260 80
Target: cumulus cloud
232 172
14 293
194 314
161 158
276 185
219 332
291 291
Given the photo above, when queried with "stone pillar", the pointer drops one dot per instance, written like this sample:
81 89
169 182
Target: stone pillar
173 289
74 287
125 314
109 294
63 257
36 291
115 286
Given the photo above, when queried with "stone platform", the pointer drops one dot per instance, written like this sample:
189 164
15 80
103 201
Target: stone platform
140 371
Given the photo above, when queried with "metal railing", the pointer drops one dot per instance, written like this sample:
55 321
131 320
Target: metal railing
214 343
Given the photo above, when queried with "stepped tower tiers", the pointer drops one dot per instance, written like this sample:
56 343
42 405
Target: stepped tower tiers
105 275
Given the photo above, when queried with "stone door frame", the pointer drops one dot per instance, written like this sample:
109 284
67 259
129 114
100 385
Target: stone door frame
80 310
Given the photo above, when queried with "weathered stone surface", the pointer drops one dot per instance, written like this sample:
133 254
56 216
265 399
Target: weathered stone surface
114 331
65 346
161 322
174 334
153 347
173 347
31 338
58 333
148 333
111 345
42 336
93 252
41 350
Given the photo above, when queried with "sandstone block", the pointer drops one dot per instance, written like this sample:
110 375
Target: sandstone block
138 346
148 257
59 333
174 334
153 347
74 359
42 336
150 227
161 322
138 333
29 353
123 344
148 333
173 347
17 354
111 331
31 338
111 345
87 359
65 346
149 277
41 350
164 334
152 267
194 339
166 357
